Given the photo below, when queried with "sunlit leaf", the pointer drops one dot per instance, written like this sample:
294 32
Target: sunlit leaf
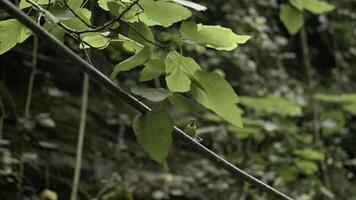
95 40
317 6
11 33
163 13
216 94
24 4
216 37
179 69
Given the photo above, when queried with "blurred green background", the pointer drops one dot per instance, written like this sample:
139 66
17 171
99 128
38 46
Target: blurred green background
299 135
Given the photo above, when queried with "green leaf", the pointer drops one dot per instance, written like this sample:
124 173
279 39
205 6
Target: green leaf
272 104
162 13
350 108
141 31
95 40
292 18
179 69
342 98
153 69
154 133
23 3
184 104
74 4
11 33
309 154
215 93
132 62
70 20
190 4
307 167
245 132
317 7
152 94
130 45
287 174
332 121
297 4
116 7
103 4
216 37
55 30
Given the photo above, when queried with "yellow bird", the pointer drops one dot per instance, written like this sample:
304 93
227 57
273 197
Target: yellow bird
191 130
47 194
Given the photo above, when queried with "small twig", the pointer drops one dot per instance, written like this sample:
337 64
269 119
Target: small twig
81 134
33 73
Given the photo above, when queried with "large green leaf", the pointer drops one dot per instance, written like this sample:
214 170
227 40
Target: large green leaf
317 7
154 133
215 93
95 40
162 13
216 37
272 104
153 69
11 33
179 69
152 94
132 62
140 33
292 18
184 104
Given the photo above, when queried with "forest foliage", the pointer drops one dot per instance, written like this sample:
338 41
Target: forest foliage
271 84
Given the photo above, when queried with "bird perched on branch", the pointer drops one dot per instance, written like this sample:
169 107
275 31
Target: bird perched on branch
191 130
